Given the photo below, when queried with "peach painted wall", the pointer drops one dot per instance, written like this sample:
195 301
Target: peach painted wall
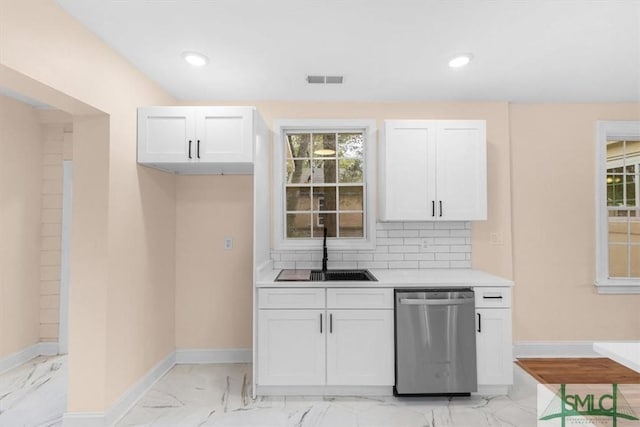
214 285
121 310
20 201
553 170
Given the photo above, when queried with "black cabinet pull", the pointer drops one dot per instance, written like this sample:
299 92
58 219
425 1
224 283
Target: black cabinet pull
189 148
490 297
331 323
479 323
440 207
433 208
198 148
320 322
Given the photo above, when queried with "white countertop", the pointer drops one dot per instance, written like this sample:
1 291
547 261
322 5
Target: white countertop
462 277
625 353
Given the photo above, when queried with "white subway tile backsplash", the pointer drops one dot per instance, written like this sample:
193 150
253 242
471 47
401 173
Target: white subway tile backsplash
417 241
357 257
398 245
460 233
460 264
404 233
373 264
388 257
404 264
311 265
448 256
389 241
284 264
436 248
434 233
450 225
403 249
342 264
382 233
452 241
435 264
296 256
419 257
419 225
389 226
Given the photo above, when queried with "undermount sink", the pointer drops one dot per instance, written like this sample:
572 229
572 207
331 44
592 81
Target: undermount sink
342 275
325 276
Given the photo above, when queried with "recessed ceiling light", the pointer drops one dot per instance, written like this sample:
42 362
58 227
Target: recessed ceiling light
460 60
194 58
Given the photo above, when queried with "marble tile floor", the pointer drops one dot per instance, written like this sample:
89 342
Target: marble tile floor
34 394
220 395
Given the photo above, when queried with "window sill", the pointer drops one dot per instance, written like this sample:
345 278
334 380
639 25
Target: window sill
618 287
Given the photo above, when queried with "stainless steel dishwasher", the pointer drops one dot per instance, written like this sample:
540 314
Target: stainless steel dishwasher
435 342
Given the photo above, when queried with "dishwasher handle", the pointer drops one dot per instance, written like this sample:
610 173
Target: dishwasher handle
422 301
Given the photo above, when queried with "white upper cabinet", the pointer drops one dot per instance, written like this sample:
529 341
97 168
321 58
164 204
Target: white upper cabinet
433 170
198 140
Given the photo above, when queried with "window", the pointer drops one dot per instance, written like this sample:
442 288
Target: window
618 211
323 171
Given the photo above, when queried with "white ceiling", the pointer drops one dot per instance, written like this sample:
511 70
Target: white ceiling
387 50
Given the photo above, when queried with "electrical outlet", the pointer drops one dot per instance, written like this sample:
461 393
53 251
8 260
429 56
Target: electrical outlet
425 244
228 243
495 238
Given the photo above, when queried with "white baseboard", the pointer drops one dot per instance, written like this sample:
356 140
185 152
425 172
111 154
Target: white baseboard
200 356
23 356
48 348
83 419
524 349
135 392
124 403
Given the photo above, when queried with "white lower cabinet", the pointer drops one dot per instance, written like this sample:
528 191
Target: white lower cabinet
493 337
292 347
334 346
360 347
344 337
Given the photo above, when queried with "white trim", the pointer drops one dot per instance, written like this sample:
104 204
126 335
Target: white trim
23 356
18 358
124 403
524 349
63 329
324 390
369 126
129 398
609 130
48 348
83 419
203 355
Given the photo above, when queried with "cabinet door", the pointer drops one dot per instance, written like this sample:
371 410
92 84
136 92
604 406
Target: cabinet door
494 346
461 166
360 347
407 172
292 347
166 134
224 134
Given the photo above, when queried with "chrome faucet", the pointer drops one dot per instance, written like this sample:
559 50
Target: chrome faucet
324 251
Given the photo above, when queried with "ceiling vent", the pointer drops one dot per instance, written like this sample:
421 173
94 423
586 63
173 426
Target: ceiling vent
325 79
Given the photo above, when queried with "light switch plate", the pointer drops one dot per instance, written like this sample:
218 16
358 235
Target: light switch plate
228 243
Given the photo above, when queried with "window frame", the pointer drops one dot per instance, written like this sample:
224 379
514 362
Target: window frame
606 131
368 126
